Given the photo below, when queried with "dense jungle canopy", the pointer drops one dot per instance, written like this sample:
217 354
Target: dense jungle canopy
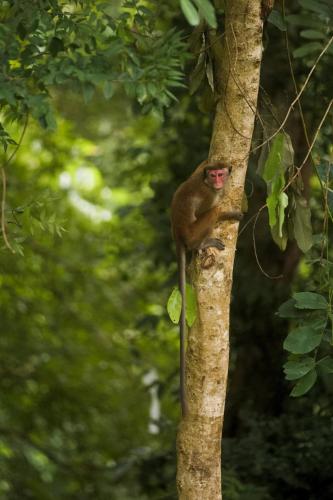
105 108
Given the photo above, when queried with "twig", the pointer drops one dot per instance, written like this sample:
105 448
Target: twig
4 186
255 247
296 98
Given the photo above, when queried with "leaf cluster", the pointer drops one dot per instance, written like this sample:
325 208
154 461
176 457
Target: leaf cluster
310 313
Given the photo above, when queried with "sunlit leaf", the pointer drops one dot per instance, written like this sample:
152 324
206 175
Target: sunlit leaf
174 305
190 12
191 305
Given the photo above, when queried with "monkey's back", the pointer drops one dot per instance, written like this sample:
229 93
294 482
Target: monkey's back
191 199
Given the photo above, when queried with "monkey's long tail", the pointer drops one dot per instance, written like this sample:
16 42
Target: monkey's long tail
182 326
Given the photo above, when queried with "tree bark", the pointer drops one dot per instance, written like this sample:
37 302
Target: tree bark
237 62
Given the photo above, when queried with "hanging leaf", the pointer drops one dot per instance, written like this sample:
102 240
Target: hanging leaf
174 305
190 12
301 219
302 340
208 12
198 73
274 158
281 241
210 73
298 368
272 202
191 305
304 384
277 20
282 205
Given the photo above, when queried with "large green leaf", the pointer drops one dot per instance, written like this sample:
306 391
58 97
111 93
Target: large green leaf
277 20
190 12
281 241
310 300
208 12
301 218
304 384
191 305
298 368
302 340
198 73
174 305
273 162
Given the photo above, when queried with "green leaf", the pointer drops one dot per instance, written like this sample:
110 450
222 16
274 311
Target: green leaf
190 12
274 158
197 74
277 20
282 205
208 12
307 49
281 241
312 34
304 384
310 300
301 219
272 202
298 368
191 305
288 310
210 74
317 323
302 340
174 305
326 364
316 6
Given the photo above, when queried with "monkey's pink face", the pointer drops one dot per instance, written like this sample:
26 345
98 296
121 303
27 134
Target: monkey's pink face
217 177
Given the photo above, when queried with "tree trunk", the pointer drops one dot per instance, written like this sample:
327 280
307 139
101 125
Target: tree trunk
237 70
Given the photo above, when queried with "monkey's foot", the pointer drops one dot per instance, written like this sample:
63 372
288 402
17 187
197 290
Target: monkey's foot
212 242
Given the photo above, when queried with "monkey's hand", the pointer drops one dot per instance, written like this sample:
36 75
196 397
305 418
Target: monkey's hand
234 215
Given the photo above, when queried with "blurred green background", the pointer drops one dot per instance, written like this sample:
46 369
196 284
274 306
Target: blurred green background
88 357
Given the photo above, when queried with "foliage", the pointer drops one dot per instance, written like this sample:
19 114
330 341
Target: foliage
82 313
174 305
87 45
291 454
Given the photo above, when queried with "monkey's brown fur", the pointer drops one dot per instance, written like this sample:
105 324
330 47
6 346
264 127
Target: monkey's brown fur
195 209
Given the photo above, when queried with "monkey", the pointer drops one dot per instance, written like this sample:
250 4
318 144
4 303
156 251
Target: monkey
195 209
